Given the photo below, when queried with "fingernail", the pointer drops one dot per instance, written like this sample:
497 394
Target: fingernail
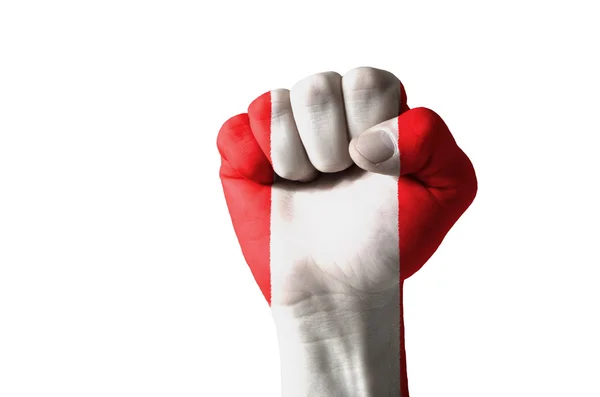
376 146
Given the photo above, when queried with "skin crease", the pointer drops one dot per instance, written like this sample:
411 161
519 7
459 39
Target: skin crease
331 248
337 284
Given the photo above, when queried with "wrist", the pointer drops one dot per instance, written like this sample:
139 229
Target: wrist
340 345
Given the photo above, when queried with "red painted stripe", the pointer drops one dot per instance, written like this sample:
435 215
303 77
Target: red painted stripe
259 113
247 176
403 372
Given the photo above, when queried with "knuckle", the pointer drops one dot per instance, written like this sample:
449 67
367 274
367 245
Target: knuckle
292 174
232 128
280 103
259 108
288 164
368 79
426 122
330 166
318 89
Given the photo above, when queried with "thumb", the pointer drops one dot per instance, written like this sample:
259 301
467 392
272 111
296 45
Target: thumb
376 149
416 143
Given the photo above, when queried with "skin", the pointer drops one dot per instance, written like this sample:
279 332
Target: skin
338 285
365 190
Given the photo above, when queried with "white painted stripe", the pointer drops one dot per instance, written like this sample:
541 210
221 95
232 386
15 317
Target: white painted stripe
287 152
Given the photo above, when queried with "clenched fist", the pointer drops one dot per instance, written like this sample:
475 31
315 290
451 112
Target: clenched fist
338 192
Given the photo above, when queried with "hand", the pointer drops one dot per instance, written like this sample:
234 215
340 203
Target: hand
339 228
337 189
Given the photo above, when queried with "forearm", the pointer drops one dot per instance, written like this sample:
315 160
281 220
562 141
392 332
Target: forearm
332 346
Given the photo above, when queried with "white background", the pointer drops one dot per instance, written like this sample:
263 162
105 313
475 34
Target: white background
120 274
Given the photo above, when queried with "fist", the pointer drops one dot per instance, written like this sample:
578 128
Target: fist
337 187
